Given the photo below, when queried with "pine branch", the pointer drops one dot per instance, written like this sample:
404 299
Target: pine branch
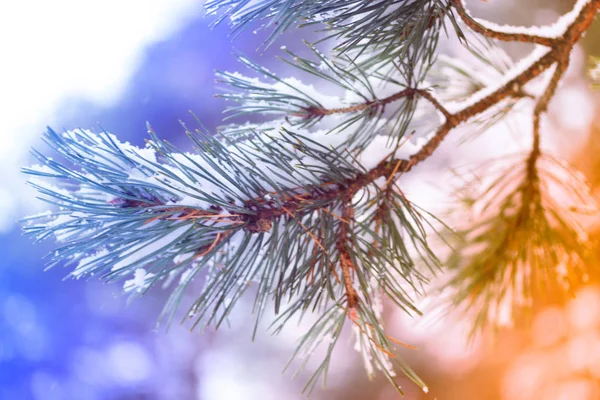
302 214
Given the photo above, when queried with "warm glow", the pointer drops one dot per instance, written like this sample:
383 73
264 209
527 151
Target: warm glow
563 362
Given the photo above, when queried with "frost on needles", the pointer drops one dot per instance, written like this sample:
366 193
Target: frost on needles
304 210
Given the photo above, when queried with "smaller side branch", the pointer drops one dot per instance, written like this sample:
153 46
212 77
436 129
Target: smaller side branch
346 264
504 36
542 104
379 103
434 102
540 108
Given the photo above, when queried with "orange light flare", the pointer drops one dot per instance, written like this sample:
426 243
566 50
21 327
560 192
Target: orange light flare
562 360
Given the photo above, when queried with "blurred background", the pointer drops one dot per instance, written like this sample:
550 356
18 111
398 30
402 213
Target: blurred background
117 64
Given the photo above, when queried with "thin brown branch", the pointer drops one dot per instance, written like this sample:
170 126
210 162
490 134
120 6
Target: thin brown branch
378 104
504 36
557 53
542 104
346 264
531 189
434 102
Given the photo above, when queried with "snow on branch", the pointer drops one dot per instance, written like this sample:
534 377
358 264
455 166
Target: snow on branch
548 35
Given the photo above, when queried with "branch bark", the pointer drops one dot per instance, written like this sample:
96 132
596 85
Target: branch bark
504 36
378 103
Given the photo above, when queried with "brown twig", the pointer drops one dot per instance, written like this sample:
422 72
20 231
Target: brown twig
378 103
542 104
504 36
530 189
346 264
